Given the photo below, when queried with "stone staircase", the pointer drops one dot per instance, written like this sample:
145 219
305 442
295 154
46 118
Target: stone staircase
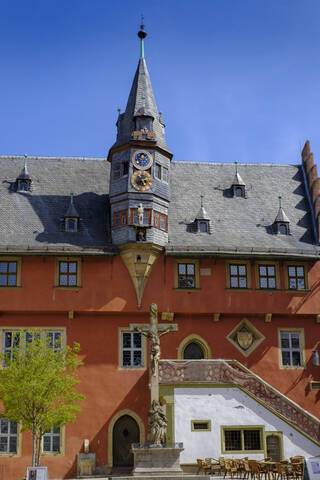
233 373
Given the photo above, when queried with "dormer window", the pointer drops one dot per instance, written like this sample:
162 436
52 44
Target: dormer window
202 220
23 185
71 224
238 186
71 217
23 181
281 223
239 191
203 226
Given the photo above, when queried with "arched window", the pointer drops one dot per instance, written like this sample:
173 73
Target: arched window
193 351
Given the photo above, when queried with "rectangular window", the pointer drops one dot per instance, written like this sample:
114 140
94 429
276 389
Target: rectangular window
242 439
238 276
120 170
158 171
163 222
120 218
267 276
8 274
135 217
8 436
296 277
51 441
131 345
13 340
200 425
186 275
291 349
162 173
117 171
156 220
68 272
54 339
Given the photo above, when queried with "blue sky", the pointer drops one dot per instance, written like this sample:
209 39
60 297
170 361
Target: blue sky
235 79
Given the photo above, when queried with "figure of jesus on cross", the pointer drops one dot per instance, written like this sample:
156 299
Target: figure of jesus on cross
153 332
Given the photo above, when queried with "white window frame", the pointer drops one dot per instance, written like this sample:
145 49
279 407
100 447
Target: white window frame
291 349
131 349
51 434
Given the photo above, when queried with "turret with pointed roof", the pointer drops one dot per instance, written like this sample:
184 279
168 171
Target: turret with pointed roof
140 165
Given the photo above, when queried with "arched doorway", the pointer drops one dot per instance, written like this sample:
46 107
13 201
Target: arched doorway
125 432
193 351
274 446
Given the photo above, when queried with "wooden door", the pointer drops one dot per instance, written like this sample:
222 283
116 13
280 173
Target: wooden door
125 432
274 447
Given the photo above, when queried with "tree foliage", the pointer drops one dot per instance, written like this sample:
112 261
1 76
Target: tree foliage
38 384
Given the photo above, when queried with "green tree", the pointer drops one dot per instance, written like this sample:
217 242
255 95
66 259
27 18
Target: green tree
38 384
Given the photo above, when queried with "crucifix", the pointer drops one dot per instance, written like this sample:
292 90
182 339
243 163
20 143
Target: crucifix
153 331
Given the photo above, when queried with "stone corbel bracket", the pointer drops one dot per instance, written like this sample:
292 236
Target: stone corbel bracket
139 259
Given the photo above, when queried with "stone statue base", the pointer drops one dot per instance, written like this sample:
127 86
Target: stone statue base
86 464
157 460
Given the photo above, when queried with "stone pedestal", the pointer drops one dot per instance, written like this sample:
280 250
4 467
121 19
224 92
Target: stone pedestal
157 461
86 464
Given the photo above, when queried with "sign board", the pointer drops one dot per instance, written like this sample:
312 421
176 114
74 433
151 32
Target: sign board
37 473
311 469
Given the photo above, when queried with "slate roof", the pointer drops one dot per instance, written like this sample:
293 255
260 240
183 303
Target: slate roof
32 221
239 225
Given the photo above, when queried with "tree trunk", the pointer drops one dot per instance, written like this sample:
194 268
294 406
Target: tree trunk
36 448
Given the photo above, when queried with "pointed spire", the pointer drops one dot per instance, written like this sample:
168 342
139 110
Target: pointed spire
24 174
71 211
141 112
202 214
237 180
281 216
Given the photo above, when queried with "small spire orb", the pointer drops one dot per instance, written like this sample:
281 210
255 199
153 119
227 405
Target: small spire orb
142 34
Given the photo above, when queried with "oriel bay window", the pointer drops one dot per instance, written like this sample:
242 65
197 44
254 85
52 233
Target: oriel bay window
242 439
120 218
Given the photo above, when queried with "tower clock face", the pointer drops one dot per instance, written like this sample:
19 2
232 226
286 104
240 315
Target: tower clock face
141 180
142 160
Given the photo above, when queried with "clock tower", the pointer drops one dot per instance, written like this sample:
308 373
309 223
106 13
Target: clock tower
140 179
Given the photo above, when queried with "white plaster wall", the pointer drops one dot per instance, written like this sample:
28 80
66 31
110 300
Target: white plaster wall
227 406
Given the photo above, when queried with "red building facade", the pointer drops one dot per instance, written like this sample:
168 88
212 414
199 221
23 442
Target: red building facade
235 267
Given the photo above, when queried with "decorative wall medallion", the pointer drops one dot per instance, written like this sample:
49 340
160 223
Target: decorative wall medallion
245 337
142 160
141 180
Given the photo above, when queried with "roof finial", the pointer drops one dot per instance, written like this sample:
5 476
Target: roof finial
202 197
142 35
236 165
280 201
71 198
25 160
